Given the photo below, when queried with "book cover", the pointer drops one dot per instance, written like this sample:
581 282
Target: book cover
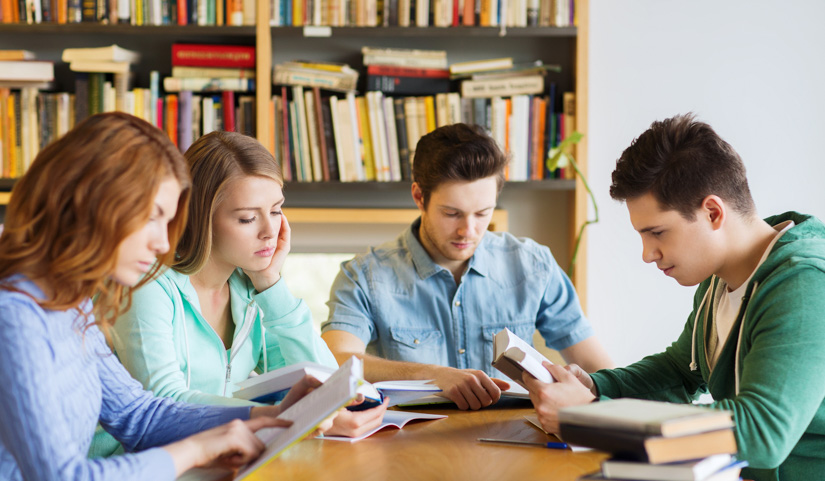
395 419
512 356
210 55
650 449
647 417
693 470
407 85
395 71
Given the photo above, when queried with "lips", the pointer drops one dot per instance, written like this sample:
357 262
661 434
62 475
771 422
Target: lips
266 252
462 245
667 271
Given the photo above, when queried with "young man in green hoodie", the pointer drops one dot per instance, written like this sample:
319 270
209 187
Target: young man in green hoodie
756 337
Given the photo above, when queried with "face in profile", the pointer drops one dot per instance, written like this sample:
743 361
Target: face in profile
456 218
246 223
138 251
682 249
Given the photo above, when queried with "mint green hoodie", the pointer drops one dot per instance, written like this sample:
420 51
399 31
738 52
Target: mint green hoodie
770 371
167 345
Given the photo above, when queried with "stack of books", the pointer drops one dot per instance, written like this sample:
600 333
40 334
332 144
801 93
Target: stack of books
20 129
406 71
211 68
104 75
652 440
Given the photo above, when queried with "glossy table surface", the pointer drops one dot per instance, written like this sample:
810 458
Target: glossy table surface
440 449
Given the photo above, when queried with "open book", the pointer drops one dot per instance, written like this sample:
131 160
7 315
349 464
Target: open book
306 415
397 419
512 356
274 385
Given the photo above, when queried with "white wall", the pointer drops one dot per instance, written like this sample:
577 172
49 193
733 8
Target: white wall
752 69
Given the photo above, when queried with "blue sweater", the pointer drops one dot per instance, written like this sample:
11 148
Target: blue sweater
58 380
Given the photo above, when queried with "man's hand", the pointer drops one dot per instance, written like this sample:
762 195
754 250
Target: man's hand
549 398
469 388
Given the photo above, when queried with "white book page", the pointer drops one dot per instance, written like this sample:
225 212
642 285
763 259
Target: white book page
396 419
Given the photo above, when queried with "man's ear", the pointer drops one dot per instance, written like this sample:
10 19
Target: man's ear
714 210
418 196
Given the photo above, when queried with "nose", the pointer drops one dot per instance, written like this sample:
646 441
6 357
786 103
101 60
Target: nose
467 226
160 241
270 227
650 253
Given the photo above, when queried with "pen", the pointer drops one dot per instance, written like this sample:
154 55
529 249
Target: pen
549 444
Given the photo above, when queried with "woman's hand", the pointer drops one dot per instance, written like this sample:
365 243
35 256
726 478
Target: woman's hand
267 277
355 423
230 445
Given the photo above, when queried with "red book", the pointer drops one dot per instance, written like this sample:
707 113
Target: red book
391 71
183 12
455 12
228 101
208 55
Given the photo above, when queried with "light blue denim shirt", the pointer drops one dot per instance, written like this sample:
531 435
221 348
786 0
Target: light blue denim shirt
405 307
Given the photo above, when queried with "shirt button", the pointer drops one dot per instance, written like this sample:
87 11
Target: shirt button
461 351
416 341
457 303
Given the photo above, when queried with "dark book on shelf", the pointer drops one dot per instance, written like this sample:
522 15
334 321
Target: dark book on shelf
650 449
407 85
287 141
329 141
322 139
403 142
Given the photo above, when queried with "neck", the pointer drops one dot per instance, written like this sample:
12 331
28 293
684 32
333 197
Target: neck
213 276
456 268
751 238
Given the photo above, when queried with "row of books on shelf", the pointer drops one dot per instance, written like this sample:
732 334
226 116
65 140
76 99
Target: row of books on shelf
336 13
353 138
655 441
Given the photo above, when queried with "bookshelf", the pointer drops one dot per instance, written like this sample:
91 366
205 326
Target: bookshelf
526 202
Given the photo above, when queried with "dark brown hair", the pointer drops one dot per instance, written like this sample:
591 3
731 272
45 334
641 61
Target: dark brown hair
457 152
681 161
82 196
215 160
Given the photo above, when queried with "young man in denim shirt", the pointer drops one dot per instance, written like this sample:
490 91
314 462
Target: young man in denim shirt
427 305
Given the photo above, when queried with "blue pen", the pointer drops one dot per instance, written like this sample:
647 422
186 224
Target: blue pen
548 444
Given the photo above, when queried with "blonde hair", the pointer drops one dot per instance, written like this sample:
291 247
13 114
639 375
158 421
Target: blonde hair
215 160
82 196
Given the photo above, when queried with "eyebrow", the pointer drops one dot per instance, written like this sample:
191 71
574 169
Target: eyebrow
648 229
281 201
443 206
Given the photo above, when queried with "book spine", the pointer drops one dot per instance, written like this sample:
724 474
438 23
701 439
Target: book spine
407 71
189 72
329 139
228 102
306 78
533 84
287 161
391 136
313 136
408 61
322 138
401 132
407 85
201 55
185 103
173 84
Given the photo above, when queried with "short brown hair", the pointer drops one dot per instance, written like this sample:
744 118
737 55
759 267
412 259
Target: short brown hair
681 161
82 196
215 160
457 152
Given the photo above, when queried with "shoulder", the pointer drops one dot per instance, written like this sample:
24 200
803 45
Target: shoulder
19 310
509 248
387 255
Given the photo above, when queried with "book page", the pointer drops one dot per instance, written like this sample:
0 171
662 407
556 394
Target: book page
396 419
310 411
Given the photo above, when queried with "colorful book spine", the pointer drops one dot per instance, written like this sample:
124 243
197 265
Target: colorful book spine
207 55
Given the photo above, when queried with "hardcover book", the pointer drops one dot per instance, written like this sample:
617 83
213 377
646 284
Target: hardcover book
513 356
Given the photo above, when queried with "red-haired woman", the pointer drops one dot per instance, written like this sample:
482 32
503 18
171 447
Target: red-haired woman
96 211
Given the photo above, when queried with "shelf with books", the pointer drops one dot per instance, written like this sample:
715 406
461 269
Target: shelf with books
420 32
181 31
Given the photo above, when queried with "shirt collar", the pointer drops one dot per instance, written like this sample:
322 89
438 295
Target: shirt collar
424 264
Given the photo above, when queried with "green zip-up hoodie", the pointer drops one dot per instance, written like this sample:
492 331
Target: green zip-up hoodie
775 352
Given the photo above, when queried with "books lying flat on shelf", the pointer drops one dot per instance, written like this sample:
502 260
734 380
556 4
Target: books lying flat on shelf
694 470
112 53
27 70
174 84
647 417
274 385
298 74
213 72
481 65
403 57
98 66
9 54
512 356
650 449
397 419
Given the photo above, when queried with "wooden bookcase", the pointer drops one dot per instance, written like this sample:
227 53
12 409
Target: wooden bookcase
549 211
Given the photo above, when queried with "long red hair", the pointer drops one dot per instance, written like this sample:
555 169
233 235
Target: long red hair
81 197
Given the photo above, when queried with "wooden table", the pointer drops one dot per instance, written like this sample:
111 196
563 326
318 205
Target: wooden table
443 449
